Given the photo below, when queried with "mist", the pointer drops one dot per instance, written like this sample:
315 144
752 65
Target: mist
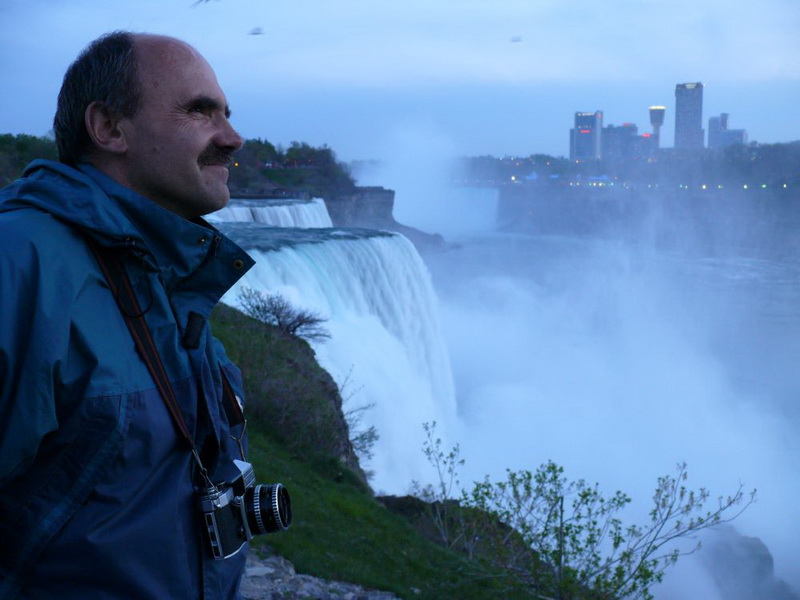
617 356
418 165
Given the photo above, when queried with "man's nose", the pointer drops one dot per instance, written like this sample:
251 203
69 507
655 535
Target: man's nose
227 137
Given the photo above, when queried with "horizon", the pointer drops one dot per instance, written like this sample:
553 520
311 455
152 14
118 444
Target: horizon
367 161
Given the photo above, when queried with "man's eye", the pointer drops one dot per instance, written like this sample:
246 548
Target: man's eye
206 111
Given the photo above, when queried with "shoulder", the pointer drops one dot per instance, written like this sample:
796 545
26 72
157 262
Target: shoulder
31 233
40 257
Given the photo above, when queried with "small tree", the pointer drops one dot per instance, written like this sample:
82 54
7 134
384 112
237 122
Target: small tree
456 527
275 310
574 545
363 439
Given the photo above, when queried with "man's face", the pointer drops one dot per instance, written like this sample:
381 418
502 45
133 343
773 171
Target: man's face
180 141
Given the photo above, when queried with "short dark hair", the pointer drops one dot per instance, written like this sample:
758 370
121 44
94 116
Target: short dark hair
106 71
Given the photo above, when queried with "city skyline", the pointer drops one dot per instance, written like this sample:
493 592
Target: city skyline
590 140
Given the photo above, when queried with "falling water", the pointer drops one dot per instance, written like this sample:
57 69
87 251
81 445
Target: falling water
386 351
276 212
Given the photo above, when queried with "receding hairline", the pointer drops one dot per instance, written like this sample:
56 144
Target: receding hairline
154 51
146 44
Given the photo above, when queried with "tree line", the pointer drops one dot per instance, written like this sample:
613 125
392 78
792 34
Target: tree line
258 167
262 168
16 151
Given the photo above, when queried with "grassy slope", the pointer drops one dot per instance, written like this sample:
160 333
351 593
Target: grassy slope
340 531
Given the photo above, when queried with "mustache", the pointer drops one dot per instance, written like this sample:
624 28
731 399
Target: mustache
214 155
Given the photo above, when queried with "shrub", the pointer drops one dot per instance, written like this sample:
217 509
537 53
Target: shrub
574 544
275 310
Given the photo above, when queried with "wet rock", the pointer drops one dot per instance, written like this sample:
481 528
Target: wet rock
743 567
273 577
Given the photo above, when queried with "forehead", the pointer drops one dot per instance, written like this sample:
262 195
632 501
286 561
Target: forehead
172 71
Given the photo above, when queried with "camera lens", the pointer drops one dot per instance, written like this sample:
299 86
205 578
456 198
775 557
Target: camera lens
268 508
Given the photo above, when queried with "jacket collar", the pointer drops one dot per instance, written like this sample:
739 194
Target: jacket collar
177 246
117 217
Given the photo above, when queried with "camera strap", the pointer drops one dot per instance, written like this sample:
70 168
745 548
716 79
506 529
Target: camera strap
114 272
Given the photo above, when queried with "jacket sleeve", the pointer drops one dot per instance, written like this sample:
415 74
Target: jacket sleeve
28 344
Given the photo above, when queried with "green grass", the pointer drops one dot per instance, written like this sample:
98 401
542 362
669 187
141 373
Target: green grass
342 533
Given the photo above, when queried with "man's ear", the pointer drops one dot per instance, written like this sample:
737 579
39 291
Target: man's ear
103 126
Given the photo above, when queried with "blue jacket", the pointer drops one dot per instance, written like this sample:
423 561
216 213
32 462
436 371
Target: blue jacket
98 495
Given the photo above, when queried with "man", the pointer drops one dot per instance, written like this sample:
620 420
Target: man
98 491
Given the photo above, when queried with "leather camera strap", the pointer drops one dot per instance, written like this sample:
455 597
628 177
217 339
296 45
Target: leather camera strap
114 272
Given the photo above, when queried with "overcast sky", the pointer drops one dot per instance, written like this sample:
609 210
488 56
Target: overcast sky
461 77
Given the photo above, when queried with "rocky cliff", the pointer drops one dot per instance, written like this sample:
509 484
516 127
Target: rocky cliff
372 208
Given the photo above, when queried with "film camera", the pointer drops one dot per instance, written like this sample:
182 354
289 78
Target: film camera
235 511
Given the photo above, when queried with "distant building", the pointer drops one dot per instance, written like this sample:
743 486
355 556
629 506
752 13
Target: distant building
623 143
619 142
586 139
720 136
716 126
689 134
656 121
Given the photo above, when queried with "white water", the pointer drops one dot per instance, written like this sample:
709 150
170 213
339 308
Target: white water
278 213
619 360
386 348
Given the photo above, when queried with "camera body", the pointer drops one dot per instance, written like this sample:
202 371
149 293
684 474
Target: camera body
236 510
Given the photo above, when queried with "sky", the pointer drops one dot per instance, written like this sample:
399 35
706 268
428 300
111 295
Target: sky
373 79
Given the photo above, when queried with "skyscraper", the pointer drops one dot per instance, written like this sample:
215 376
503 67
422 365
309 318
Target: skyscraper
689 134
585 140
716 125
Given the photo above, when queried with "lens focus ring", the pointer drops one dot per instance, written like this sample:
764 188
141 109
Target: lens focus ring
257 510
281 508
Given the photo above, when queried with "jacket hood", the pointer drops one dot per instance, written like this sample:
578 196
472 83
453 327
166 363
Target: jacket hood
115 216
70 195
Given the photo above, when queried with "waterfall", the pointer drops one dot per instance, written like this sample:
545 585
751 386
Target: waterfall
386 349
276 212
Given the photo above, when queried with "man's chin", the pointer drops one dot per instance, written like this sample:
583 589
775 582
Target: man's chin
216 185
216 201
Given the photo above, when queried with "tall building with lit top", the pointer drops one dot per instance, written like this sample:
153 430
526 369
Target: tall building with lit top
586 139
689 134
656 121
